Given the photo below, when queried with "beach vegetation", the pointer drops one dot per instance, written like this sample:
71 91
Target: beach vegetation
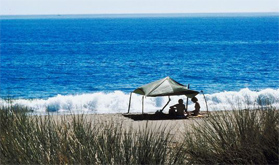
73 139
226 137
235 137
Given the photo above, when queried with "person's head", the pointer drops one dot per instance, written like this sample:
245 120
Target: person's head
180 101
194 99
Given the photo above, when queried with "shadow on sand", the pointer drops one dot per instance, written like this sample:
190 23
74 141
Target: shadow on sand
146 116
162 116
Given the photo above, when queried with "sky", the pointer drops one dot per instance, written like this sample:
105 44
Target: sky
50 7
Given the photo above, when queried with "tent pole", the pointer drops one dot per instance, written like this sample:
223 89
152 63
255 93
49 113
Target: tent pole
142 104
205 104
165 105
187 99
130 102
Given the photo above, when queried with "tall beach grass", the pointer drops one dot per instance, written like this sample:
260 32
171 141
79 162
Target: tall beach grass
226 137
73 139
235 137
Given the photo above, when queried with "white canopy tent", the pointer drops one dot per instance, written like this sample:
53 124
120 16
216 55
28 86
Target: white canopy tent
162 87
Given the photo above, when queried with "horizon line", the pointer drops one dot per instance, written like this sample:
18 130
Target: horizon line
140 14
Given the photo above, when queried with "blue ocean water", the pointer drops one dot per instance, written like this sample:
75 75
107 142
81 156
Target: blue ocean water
45 58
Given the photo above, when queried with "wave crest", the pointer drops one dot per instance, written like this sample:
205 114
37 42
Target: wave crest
117 102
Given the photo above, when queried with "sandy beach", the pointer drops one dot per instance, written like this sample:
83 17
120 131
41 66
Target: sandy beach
175 127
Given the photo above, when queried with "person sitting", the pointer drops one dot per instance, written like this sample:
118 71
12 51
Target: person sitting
197 107
180 109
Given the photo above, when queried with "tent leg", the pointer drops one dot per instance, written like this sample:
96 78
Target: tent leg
205 104
187 100
165 105
129 102
142 104
186 109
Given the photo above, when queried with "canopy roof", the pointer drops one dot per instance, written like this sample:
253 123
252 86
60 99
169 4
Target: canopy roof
165 87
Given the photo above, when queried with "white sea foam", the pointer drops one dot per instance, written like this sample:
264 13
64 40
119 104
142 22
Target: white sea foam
117 102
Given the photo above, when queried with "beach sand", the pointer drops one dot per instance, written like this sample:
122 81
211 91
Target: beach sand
175 127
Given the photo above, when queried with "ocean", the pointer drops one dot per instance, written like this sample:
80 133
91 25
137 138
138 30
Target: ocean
90 63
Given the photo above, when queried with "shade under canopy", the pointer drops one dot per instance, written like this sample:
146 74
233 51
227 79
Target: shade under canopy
165 87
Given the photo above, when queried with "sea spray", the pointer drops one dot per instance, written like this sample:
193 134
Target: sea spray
117 102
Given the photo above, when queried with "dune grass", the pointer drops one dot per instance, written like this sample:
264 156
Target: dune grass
235 137
29 139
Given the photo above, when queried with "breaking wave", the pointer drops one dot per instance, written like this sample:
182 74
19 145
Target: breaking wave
118 101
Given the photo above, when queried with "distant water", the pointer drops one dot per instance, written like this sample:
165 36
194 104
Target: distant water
91 63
